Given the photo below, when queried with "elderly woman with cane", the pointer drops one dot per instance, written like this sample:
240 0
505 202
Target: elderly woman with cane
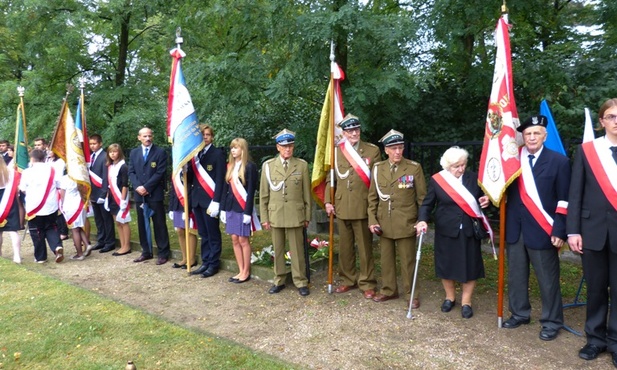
456 198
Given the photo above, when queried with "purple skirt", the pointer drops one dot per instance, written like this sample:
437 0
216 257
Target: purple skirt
234 225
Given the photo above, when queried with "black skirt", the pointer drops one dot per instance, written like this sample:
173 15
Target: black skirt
458 259
12 220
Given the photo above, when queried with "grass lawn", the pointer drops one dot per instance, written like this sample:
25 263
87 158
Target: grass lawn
47 324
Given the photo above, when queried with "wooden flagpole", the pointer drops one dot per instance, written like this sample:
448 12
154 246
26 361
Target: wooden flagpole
332 200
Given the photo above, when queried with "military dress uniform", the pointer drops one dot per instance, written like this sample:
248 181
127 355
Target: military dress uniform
285 203
395 195
350 203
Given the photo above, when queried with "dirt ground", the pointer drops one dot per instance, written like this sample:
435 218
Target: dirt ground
325 331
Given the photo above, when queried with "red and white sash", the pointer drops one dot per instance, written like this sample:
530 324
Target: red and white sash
202 176
604 169
6 203
71 208
462 197
531 199
95 179
31 209
356 161
241 196
112 179
179 190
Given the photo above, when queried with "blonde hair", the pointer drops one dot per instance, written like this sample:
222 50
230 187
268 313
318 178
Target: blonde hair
244 158
114 148
453 155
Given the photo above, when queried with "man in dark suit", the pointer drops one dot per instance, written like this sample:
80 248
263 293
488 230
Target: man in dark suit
4 146
592 232
206 176
147 173
105 234
536 229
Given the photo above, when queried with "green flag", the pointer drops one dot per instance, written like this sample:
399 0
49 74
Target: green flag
21 140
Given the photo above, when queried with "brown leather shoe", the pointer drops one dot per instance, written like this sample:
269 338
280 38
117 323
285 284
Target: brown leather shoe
415 303
161 261
369 294
344 288
382 297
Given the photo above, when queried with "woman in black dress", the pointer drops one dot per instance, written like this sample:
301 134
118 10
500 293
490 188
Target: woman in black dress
455 196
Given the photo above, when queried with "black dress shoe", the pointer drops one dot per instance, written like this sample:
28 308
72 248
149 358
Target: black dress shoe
466 311
120 254
161 261
513 322
209 272
193 265
447 305
276 288
591 352
179 266
200 270
232 279
143 257
107 249
97 247
238 281
548 333
304 291
614 356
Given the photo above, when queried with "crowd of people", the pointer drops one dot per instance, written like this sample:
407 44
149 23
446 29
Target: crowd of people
549 204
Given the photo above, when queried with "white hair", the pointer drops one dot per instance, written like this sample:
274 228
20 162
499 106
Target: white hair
452 156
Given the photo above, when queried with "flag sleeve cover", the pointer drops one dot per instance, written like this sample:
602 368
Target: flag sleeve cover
500 162
331 114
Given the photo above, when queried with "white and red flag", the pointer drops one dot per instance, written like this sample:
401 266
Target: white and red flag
500 162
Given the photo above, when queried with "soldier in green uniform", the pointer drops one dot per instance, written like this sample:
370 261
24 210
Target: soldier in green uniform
397 190
285 205
354 160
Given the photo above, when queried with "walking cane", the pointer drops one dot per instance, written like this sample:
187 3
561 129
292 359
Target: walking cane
415 274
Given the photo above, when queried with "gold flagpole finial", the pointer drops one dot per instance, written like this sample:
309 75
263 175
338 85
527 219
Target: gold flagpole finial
21 90
504 8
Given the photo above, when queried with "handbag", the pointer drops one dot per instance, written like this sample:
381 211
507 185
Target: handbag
479 232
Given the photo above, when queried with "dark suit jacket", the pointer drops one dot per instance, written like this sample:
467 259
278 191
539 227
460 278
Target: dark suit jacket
552 176
589 212
99 167
150 173
448 215
228 200
213 161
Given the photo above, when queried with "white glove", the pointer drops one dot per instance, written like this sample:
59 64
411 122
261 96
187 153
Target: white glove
213 209
106 204
100 201
171 215
246 219
223 217
123 204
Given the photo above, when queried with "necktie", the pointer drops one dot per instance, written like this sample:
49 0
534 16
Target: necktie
92 157
146 153
531 158
614 149
285 165
393 169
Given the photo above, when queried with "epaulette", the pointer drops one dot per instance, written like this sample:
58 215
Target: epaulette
300 159
270 160
371 145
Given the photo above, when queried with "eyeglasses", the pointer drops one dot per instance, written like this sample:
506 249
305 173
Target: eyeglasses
610 118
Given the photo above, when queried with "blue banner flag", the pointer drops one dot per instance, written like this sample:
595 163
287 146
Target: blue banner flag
182 125
553 140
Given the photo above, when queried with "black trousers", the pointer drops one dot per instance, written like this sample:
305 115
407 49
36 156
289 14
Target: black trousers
159 225
106 232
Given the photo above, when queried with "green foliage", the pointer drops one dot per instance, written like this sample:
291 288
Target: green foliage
255 67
